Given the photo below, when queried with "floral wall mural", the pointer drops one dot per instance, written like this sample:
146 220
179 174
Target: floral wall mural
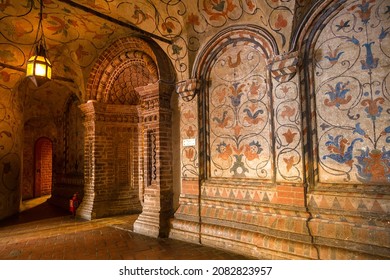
275 16
189 127
10 143
319 101
351 73
285 91
239 115
75 37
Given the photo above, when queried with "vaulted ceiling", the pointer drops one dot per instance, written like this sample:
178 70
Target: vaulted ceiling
78 31
75 31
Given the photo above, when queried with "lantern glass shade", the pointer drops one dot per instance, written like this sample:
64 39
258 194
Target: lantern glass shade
38 66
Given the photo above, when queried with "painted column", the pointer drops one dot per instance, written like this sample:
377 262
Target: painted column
288 127
287 118
186 225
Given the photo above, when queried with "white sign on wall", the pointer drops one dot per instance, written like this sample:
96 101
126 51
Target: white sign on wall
189 142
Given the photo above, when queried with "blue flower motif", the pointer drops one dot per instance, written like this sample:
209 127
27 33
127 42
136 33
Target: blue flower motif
358 130
383 34
354 41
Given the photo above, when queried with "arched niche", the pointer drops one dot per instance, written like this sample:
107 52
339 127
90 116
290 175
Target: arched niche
235 102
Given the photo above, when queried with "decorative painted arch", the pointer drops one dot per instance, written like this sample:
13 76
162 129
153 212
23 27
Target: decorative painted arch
244 34
236 124
304 31
347 94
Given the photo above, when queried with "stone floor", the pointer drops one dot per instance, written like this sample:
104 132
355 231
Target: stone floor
44 232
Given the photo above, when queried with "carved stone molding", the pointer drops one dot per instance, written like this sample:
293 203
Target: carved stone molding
95 111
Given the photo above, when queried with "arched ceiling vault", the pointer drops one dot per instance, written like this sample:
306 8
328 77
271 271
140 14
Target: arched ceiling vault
78 31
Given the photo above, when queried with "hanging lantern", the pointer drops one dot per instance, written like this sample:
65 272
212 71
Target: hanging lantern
38 66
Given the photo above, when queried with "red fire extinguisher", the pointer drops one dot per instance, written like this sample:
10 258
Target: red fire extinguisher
74 204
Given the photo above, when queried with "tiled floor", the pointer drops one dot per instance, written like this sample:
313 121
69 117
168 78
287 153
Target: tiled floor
60 237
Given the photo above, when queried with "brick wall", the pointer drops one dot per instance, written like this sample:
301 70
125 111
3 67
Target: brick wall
44 153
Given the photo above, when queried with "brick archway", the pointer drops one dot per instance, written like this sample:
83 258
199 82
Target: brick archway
118 56
128 149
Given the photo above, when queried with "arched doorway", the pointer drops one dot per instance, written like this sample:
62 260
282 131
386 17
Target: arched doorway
43 167
128 142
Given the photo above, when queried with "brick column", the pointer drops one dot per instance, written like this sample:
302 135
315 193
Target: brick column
155 133
111 165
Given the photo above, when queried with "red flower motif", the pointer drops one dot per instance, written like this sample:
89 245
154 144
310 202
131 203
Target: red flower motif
285 89
189 115
220 95
225 151
193 19
372 106
189 153
190 132
289 162
251 4
168 26
281 22
254 89
218 8
287 112
80 52
237 130
289 135
252 151
58 26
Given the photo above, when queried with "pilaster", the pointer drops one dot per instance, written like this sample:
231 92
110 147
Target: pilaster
287 118
155 127
186 222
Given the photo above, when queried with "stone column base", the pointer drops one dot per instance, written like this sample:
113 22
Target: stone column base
148 224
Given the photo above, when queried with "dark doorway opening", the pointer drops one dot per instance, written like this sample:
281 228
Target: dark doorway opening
43 167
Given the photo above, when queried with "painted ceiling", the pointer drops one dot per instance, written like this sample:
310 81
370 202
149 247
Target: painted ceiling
74 37
77 31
